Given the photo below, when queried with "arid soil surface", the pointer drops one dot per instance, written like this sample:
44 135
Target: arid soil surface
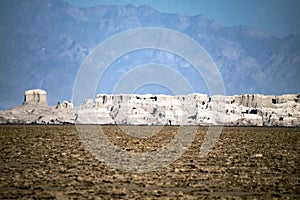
52 162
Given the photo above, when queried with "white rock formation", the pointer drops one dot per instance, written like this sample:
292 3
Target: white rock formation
193 109
35 96
64 105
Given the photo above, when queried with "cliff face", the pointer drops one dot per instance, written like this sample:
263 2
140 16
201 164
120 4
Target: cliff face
193 109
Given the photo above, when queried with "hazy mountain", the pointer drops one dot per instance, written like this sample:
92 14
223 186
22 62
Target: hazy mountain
43 43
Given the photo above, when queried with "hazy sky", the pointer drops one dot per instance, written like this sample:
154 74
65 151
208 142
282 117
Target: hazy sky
279 17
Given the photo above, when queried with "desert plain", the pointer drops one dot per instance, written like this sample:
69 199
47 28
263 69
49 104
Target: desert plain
52 162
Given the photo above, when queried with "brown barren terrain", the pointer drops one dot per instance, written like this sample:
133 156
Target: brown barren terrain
52 162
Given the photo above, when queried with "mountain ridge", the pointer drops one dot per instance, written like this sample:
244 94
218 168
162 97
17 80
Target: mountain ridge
43 43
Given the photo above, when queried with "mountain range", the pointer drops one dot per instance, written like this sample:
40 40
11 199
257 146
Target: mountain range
43 43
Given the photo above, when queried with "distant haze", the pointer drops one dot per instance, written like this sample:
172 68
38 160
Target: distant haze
43 43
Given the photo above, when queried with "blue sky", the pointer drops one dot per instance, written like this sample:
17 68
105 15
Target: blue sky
278 17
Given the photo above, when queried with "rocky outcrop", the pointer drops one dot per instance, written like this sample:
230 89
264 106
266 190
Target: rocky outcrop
192 109
197 109
37 114
35 110
36 96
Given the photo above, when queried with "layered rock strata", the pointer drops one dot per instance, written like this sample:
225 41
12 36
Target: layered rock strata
193 109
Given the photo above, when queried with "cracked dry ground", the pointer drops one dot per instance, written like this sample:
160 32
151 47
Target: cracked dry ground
52 162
